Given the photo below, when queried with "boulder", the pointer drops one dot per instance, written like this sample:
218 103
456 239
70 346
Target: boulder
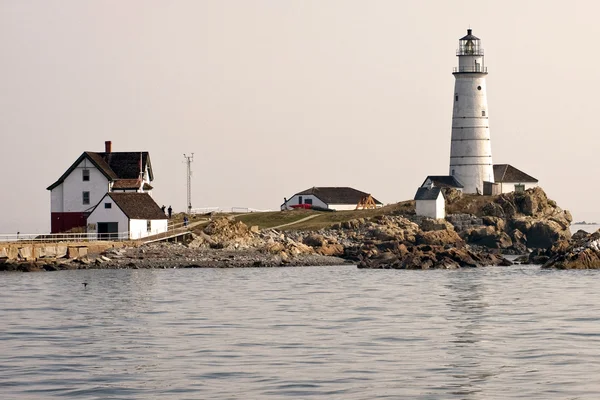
493 210
330 250
427 256
451 195
429 224
580 235
498 223
315 240
439 238
544 234
490 237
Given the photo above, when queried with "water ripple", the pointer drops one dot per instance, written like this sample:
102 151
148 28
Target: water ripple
330 333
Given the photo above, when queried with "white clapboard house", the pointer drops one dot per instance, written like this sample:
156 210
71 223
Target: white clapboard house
126 216
90 177
510 179
330 198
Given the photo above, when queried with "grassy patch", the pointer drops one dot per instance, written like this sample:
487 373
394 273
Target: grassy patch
274 218
320 219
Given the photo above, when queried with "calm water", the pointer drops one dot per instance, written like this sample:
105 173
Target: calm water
328 333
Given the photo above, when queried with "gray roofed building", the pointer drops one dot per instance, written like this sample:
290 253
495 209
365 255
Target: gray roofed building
445 181
430 202
126 216
114 165
424 193
337 195
87 180
137 205
508 173
332 198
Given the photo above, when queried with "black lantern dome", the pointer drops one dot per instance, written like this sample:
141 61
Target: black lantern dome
469 45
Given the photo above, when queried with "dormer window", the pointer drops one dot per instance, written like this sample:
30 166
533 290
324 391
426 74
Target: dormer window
85 175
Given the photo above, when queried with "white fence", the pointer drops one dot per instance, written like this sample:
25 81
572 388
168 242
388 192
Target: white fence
63 237
219 210
81 237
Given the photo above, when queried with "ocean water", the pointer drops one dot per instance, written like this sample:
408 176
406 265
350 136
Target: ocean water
305 333
588 228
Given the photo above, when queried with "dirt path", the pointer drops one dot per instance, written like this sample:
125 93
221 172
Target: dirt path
295 222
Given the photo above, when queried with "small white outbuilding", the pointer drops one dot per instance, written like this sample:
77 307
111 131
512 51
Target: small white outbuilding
126 216
430 202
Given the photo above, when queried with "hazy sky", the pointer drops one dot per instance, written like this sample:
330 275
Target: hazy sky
274 97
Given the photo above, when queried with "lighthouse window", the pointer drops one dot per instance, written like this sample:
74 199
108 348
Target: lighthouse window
478 87
456 98
483 113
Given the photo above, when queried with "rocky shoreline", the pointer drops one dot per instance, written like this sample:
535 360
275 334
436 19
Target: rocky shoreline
527 223
166 256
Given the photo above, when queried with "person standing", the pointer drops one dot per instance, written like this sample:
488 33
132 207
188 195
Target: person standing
170 210
163 208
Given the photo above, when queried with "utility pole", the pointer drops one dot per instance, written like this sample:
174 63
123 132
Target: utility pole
188 161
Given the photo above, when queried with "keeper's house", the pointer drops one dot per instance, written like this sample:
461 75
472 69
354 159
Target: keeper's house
90 177
331 198
509 179
126 216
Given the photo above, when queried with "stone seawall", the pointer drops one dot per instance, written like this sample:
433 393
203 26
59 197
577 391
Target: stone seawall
51 251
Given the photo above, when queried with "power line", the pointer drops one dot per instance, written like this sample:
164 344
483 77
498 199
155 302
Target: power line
188 161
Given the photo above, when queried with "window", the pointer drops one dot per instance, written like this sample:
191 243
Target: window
308 201
86 175
483 113
299 199
149 226
107 205
519 188
456 98
86 197
478 87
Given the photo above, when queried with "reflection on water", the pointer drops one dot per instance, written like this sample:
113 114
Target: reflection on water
341 332
466 304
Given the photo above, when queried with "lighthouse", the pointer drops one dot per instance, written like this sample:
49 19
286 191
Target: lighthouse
470 149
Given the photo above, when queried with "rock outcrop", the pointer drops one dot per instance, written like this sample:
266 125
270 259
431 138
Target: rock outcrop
513 222
581 252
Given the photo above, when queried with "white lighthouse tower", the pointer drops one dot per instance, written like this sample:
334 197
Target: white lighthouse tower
470 149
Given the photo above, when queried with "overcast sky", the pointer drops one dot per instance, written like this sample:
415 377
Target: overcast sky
274 97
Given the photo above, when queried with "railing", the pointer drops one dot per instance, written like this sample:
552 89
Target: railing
219 210
205 210
63 237
470 69
86 237
463 51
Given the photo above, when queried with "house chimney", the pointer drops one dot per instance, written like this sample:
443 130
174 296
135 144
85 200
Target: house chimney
108 147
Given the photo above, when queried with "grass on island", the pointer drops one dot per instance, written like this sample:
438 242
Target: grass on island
274 218
319 219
